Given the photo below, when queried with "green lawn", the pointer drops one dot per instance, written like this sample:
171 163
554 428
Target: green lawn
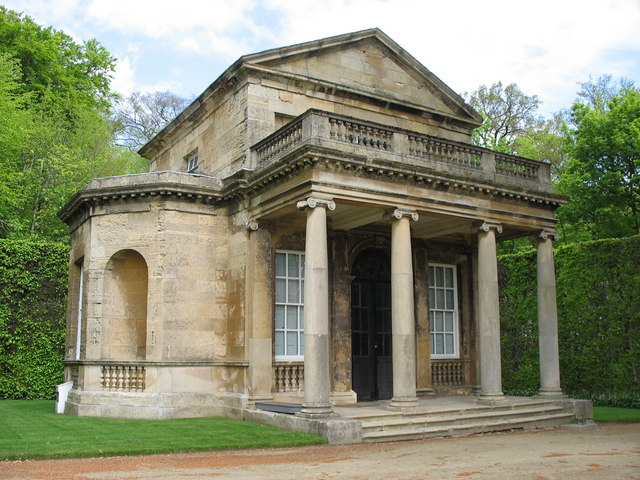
31 429
613 414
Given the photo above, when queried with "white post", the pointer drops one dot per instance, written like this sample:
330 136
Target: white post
403 340
548 318
317 386
489 314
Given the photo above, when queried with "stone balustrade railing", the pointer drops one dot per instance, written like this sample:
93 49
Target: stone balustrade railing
359 134
288 377
448 373
125 378
424 150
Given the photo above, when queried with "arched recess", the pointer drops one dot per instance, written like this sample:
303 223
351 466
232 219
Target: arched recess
124 311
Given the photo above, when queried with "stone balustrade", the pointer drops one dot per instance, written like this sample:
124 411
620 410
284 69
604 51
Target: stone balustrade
407 148
288 377
448 373
124 378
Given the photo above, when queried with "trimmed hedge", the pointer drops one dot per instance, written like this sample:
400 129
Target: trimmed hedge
598 292
33 293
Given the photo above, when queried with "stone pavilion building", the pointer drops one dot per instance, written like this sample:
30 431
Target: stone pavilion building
315 228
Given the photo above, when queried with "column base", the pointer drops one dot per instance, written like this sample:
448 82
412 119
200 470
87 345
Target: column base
316 411
492 399
551 394
403 402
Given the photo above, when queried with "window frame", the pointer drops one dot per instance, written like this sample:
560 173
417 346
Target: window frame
298 306
433 310
191 165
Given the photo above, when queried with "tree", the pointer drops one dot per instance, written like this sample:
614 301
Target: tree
602 176
140 116
55 135
63 75
507 112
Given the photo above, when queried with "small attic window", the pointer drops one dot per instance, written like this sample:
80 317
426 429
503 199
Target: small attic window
192 161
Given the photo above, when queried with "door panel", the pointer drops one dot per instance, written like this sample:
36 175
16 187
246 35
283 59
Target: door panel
372 373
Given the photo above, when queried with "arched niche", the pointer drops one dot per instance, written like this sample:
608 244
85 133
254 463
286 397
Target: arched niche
125 306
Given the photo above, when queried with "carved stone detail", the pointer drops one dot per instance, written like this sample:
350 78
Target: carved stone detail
486 226
313 202
398 213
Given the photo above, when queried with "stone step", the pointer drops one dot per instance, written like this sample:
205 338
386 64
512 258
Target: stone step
454 412
438 418
452 430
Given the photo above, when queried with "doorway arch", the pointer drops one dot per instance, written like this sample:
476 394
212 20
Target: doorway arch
372 368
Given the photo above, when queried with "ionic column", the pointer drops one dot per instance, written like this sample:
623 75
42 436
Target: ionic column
548 318
317 387
259 313
489 314
403 340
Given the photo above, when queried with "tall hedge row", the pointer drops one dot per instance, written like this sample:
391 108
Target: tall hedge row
33 291
598 293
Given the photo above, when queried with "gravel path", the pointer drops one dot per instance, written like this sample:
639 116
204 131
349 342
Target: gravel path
603 452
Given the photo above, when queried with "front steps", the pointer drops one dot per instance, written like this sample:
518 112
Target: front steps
385 425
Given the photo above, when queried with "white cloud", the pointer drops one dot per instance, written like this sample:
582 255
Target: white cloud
123 80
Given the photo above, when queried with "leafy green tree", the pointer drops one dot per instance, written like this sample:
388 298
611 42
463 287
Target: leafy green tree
55 135
602 176
508 114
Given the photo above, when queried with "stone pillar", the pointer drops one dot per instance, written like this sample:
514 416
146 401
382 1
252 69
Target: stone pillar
403 342
548 318
317 387
489 314
259 313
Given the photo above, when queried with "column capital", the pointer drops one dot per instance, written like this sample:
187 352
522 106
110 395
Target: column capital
399 213
545 235
486 226
254 225
315 201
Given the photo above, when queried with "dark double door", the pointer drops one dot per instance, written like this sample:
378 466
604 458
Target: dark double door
372 374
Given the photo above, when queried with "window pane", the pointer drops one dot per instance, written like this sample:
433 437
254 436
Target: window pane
448 277
449 305
439 343
281 289
302 291
293 267
279 317
432 298
294 291
301 352
439 326
448 322
279 343
301 318
292 343
280 264
432 324
292 318
431 276
448 344
439 276
432 344
439 298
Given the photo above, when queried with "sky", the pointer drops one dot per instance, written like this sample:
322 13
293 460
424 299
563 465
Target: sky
546 47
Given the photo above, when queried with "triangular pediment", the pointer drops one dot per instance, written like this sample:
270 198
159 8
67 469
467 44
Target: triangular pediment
369 62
